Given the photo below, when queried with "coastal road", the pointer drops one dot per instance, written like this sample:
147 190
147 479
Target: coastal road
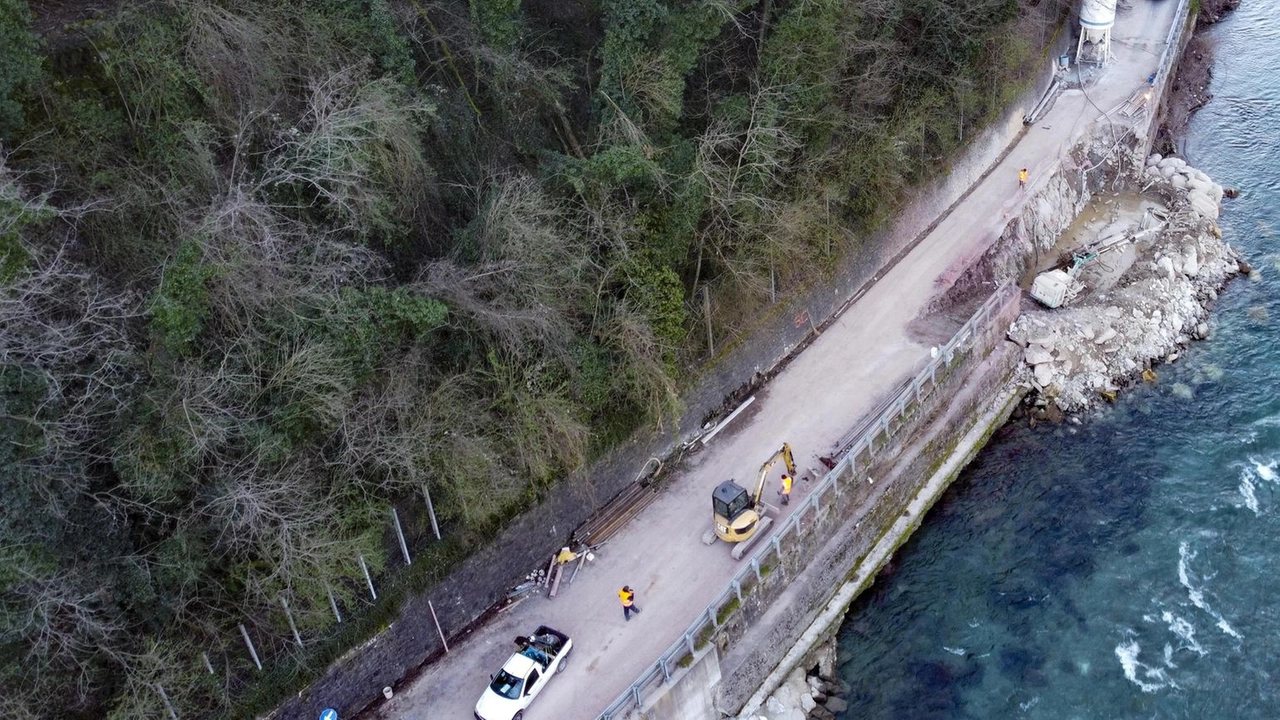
821 395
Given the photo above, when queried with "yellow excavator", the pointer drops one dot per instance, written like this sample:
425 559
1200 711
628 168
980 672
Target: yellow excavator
739 516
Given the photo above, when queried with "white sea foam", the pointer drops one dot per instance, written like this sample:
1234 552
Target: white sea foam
954 651
1266 471
1029 704
1247 491
1185 631
1146 677
1185 556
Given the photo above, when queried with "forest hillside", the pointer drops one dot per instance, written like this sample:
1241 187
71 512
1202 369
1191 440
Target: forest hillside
269 269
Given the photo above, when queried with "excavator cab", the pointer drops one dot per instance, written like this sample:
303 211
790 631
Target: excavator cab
729 501
738 513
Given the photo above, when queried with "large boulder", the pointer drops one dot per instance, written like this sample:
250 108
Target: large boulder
1044 374
1037 354
836 705
1190 262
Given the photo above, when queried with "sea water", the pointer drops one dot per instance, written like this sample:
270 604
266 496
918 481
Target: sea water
1127 567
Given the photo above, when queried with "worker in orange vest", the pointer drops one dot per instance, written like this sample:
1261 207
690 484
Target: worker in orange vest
628 598
785 492
1022 178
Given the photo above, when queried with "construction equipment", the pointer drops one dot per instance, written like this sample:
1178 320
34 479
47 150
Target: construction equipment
1057 287
740 516
1054 288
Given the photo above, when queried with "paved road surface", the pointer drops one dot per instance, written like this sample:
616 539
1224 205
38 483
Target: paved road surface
820 396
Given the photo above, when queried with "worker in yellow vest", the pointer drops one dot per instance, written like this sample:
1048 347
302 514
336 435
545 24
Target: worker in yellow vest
628 598
785 492
1022 178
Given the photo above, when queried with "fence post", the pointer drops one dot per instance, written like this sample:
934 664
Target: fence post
332 603
253 652
431 511
404 548
706 311
164 698
289 616
367 578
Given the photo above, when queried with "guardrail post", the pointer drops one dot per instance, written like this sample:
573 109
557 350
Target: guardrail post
737 590
635 694
755 565
666 673
688 640
711 615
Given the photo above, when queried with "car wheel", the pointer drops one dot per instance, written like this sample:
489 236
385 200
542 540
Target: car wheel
564 661
518 716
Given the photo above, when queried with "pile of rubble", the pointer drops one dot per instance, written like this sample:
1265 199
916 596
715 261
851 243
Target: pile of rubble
1080 353
805 697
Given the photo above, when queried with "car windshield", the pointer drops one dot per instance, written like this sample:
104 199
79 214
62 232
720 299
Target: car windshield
506 685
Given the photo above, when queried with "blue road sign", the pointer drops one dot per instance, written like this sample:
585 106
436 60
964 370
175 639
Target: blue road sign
328 714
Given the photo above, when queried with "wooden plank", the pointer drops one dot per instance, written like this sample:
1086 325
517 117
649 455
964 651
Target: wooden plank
555 584
582 559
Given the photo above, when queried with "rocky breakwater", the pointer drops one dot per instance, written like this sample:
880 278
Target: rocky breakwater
1147 298
805 696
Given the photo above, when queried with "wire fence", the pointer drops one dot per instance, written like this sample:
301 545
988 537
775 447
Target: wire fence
859 449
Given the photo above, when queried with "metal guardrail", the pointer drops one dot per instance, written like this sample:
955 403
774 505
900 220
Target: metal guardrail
863 440
1171 41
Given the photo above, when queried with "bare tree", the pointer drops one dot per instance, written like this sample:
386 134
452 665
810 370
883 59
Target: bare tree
356 151
742 166
64 618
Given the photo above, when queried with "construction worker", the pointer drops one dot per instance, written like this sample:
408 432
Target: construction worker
1022 178
785 491
628 598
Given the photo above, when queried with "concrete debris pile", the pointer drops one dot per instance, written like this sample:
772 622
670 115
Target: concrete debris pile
805 697
1078 354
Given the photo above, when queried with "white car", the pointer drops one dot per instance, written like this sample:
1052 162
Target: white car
524 675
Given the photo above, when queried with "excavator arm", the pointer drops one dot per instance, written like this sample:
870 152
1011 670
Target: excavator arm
783 453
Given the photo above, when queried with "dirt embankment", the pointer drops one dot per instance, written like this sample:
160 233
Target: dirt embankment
1189 90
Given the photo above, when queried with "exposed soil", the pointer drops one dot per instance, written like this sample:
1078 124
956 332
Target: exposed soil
1211 11
1188 92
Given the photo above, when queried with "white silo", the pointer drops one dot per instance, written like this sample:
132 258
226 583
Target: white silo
1096 20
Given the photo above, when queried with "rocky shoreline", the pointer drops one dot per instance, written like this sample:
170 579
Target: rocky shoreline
1148 300
806 696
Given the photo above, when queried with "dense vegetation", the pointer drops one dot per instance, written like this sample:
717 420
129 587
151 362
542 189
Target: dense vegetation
268 268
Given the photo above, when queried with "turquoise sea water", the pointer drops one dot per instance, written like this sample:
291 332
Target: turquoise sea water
1128 567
